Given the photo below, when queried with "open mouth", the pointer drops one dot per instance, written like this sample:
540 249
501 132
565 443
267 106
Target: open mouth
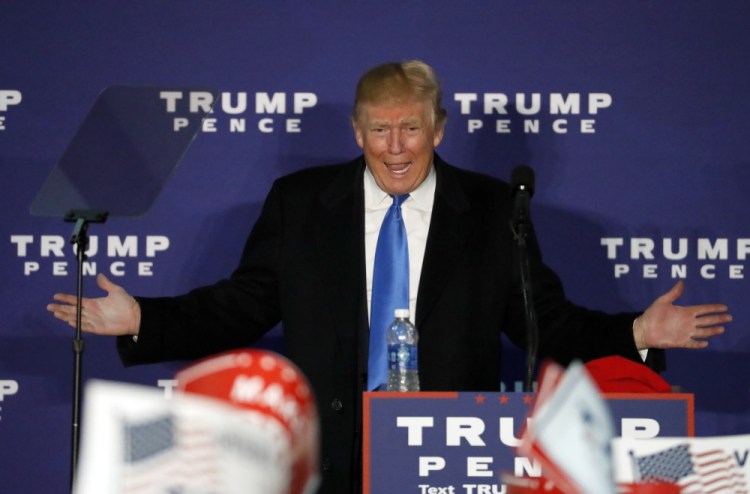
398 168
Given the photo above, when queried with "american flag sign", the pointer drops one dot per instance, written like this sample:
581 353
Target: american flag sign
709 471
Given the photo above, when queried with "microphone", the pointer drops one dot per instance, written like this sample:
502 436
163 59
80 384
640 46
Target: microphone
522 183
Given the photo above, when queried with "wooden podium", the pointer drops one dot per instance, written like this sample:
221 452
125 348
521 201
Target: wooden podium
451 443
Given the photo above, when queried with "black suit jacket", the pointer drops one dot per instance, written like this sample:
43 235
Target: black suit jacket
303 264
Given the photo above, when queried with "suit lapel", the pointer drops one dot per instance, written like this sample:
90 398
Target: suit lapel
340 238
445 240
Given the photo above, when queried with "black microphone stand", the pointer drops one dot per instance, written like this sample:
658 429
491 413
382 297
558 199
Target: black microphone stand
520 228
81 218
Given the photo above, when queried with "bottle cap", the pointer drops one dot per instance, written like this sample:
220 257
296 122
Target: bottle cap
401 313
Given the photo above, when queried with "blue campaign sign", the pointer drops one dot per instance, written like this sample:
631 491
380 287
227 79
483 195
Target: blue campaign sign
461 442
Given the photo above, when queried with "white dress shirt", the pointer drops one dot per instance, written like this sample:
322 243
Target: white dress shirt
416 211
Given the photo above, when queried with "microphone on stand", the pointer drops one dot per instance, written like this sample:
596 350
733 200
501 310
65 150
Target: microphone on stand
522 183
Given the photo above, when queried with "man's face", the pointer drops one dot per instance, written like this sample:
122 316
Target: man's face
398 140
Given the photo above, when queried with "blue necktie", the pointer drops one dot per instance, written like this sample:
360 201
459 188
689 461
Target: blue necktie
390 289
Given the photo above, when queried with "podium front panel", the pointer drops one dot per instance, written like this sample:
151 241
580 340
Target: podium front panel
451 443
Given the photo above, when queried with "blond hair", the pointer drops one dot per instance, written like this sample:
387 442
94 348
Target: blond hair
396 82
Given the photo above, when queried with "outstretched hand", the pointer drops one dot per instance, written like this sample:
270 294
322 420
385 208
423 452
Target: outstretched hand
665 325
116 314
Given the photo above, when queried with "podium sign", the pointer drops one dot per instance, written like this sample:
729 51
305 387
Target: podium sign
451 443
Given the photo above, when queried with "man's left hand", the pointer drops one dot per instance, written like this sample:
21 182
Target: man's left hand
665 325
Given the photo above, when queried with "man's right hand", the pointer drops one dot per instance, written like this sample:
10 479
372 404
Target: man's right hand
117 314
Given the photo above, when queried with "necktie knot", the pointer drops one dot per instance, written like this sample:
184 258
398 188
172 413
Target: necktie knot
399 200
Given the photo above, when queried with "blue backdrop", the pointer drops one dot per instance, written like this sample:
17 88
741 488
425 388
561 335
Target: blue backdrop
633 114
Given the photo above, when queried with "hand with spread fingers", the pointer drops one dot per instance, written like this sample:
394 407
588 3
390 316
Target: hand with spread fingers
665 325
116 314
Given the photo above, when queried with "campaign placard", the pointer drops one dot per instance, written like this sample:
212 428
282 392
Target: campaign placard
460 443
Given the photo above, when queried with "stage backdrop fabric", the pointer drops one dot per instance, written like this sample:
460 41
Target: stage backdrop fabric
634 116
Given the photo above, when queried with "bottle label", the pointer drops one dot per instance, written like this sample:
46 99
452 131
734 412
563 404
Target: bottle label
402 357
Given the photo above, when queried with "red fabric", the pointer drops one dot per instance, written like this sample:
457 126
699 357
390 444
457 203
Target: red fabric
620 375
526 485
646 488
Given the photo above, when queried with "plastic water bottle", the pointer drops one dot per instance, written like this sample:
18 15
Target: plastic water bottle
403 371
